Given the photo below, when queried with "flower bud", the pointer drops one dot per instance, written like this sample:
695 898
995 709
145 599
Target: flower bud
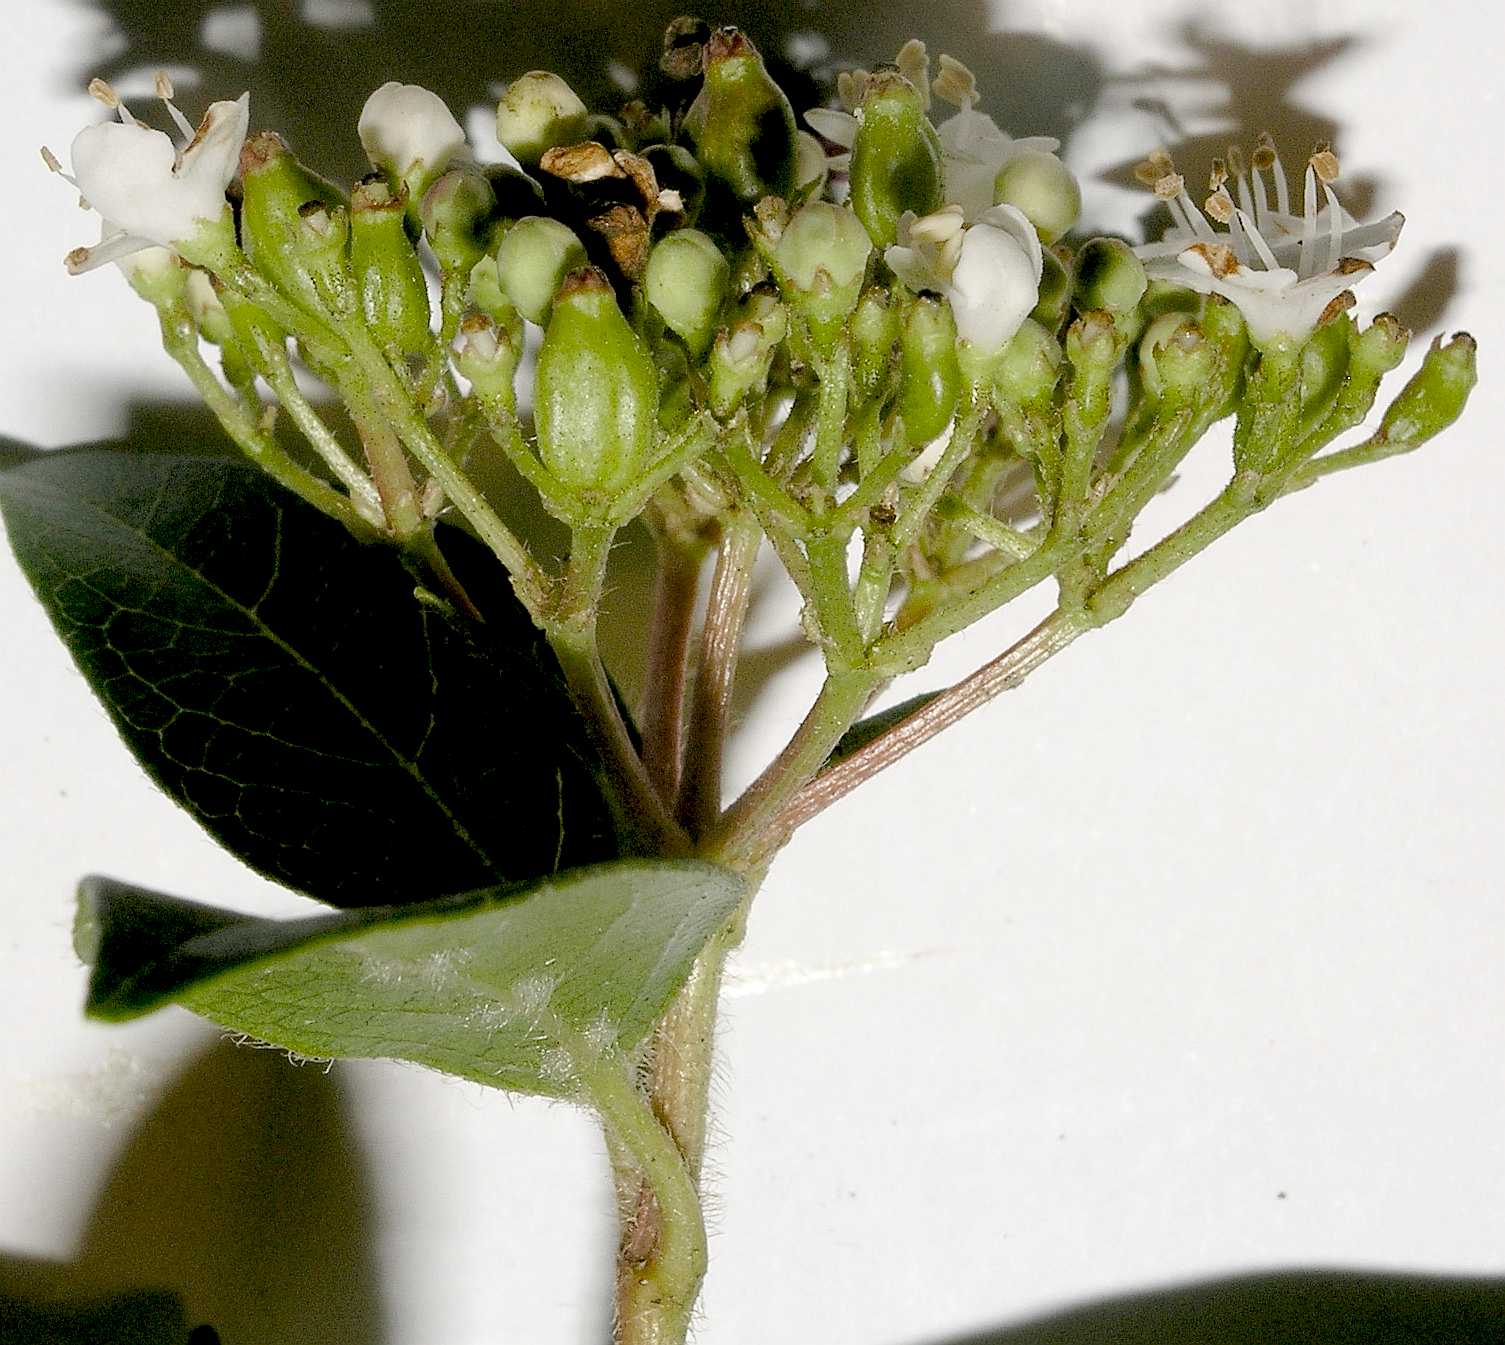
394 293
821 259
484 293
287 226
1435 396
742 124
1031 365
1091 344
457 212
1109 276
487 355
686 282
875 332
1055 292
208 310
532 259
740 357
537 112
896 157
1180 357
156 275
1039 184
930 376
595 398
410 136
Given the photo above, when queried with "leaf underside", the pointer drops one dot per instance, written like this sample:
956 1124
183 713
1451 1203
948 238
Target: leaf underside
336 729
488 985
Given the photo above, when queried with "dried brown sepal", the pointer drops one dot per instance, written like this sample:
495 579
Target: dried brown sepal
589 161
626 235
684 47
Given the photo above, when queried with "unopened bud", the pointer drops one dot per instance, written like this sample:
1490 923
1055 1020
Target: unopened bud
156 275
537 112
740 357
1040 185
1435 396
875 332
1031 365
457 213
930 376
821 259
394 293
1381 346
532 259
1180 357
487 355
742 123
410 136
896 157
686 281
595 393
1055 292
1109 276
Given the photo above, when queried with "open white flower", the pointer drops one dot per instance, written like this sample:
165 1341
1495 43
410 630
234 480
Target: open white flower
150 192
988 270
409 132
1282 270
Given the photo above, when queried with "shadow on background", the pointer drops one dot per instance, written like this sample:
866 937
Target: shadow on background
1300 1307
239 1203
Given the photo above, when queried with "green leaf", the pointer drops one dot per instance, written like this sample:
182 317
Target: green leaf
339 731
875 726
486 985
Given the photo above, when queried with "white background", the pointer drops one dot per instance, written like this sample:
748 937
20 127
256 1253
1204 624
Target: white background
1182 961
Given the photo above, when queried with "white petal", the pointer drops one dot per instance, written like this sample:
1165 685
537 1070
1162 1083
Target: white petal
126 173
1015 222
994 287
969 184
840 128
213 156
910 267
405 126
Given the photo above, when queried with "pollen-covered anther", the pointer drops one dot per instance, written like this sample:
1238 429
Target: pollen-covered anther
162 86
1325 164
956 84
1264 156
1169 187
101 91
914 64
1219 205
1217 176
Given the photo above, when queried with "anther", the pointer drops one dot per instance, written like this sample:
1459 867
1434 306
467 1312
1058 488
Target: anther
1219 205
100 90
162 84
1264 152
1325 164
1170 186
1236 165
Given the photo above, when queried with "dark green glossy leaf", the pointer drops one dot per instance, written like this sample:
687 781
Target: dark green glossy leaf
875 726
285 683
488 985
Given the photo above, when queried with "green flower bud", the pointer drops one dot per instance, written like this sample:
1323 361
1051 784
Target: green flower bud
1055 292
595 394
1108 275
457 212
293 226
1031 365
821 259
537 112
487 355
1435 396
207 309
742 353
157 276
875 332
394 293
742 124
930 376
1181 358
1381 346
679 171
485 294
532 259
1324 364
686 281
1040 185
896 157
1091 344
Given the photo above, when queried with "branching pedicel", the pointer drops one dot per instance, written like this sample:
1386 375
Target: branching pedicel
851 344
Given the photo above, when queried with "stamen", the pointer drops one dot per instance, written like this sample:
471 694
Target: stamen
1261 200
1236 235
101 254
1199 223
1325 164
53 166
1236 164
1169 187
1266 256
163 85
1334 227
956 84
100 90
1219 205
1282 194
1240 173
1309 226
1177 214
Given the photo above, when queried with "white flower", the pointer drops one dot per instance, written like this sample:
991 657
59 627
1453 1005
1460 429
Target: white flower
973 151
149 191
405 130
989 270
1282 270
